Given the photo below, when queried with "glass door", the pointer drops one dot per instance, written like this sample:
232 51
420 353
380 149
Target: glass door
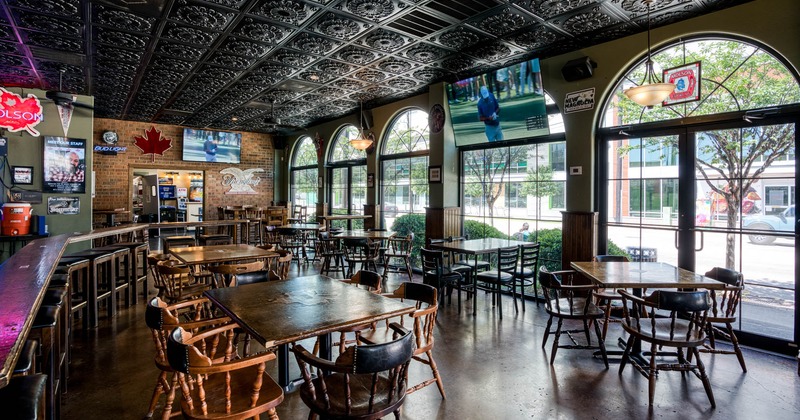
745 181
348 193
641 197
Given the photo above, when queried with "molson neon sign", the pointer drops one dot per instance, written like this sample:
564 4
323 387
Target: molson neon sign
17 114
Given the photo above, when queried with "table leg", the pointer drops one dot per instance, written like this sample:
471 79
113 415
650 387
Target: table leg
283 365
475 287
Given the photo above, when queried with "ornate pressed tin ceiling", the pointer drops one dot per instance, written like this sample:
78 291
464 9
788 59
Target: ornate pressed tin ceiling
202 62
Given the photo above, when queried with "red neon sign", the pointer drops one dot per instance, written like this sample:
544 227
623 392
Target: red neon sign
17 114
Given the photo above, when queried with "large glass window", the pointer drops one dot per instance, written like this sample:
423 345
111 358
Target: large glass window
404 175
304 175
507 188
348 174
734 150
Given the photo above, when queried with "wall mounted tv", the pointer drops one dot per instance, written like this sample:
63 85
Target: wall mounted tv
504 104
211 146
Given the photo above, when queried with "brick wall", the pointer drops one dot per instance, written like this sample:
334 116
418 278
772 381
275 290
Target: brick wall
113 182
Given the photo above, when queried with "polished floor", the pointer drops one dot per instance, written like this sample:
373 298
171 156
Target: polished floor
492 369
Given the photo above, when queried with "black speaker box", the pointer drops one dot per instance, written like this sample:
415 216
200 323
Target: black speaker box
578 69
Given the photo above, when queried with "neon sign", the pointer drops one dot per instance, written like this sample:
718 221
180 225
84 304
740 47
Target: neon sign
17 114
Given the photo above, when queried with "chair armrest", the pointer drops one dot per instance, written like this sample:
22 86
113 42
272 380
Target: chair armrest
302 354
235 364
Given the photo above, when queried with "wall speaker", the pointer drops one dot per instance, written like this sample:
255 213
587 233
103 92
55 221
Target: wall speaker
278 142
578 69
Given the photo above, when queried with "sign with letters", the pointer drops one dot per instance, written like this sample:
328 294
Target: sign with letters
686 79
581 100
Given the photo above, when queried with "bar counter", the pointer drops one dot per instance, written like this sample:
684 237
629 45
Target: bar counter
24 278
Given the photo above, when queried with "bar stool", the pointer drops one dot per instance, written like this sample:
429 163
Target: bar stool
76 271
59 296
26 362
102 280
45 330
137 270
176 242
123 273
24 398
214 239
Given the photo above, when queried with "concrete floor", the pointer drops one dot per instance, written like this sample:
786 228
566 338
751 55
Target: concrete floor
491 369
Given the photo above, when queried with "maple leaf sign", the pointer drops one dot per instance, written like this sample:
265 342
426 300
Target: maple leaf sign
17 114
153 142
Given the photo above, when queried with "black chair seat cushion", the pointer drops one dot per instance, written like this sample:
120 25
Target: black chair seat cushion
677 338
525 273
59 279
47 316
55 296
26 357
561 308
252 277
68 262
471 263
491 277
23 396
92 254
359 403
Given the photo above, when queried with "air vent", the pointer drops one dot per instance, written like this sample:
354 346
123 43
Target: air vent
461 9
70 58
296 86
176 112
419 23
258 105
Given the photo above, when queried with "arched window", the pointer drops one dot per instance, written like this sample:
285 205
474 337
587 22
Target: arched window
735 76
347 169
708 182
404 169
304 174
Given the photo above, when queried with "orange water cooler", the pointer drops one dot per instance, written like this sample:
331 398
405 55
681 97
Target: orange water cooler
16 219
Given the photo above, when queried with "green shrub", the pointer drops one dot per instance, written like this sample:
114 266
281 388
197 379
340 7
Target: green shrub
613 249
474 229
549 248
412 223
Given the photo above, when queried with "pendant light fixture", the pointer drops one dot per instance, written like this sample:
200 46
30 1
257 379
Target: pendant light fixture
362 141
651 91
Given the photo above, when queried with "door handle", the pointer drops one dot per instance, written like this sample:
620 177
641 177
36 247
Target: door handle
702 237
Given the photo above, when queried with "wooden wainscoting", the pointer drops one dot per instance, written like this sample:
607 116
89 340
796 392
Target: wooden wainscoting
444 222
579 238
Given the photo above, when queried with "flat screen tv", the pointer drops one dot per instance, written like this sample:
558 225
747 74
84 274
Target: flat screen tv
504 104
211 146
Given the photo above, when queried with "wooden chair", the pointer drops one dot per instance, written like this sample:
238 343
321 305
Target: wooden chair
364 382
152 263
526 273
683 327
330 249
723 311
234 388
563 300
293 240
283 263
423 321
224 275
179 283
502 277
398 248
436 274
605 298
193 315
360 251
370 281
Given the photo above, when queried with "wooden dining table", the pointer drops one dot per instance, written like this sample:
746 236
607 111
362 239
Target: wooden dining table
360 233
643 275
330 218
214 254
476 247
278 313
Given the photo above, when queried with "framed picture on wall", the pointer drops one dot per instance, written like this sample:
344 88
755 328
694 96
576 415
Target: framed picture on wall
22 174
64 165
435 175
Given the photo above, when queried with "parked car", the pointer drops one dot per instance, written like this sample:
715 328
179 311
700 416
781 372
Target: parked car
781 222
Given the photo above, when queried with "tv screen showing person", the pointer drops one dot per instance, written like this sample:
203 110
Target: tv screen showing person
503 104
211 146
